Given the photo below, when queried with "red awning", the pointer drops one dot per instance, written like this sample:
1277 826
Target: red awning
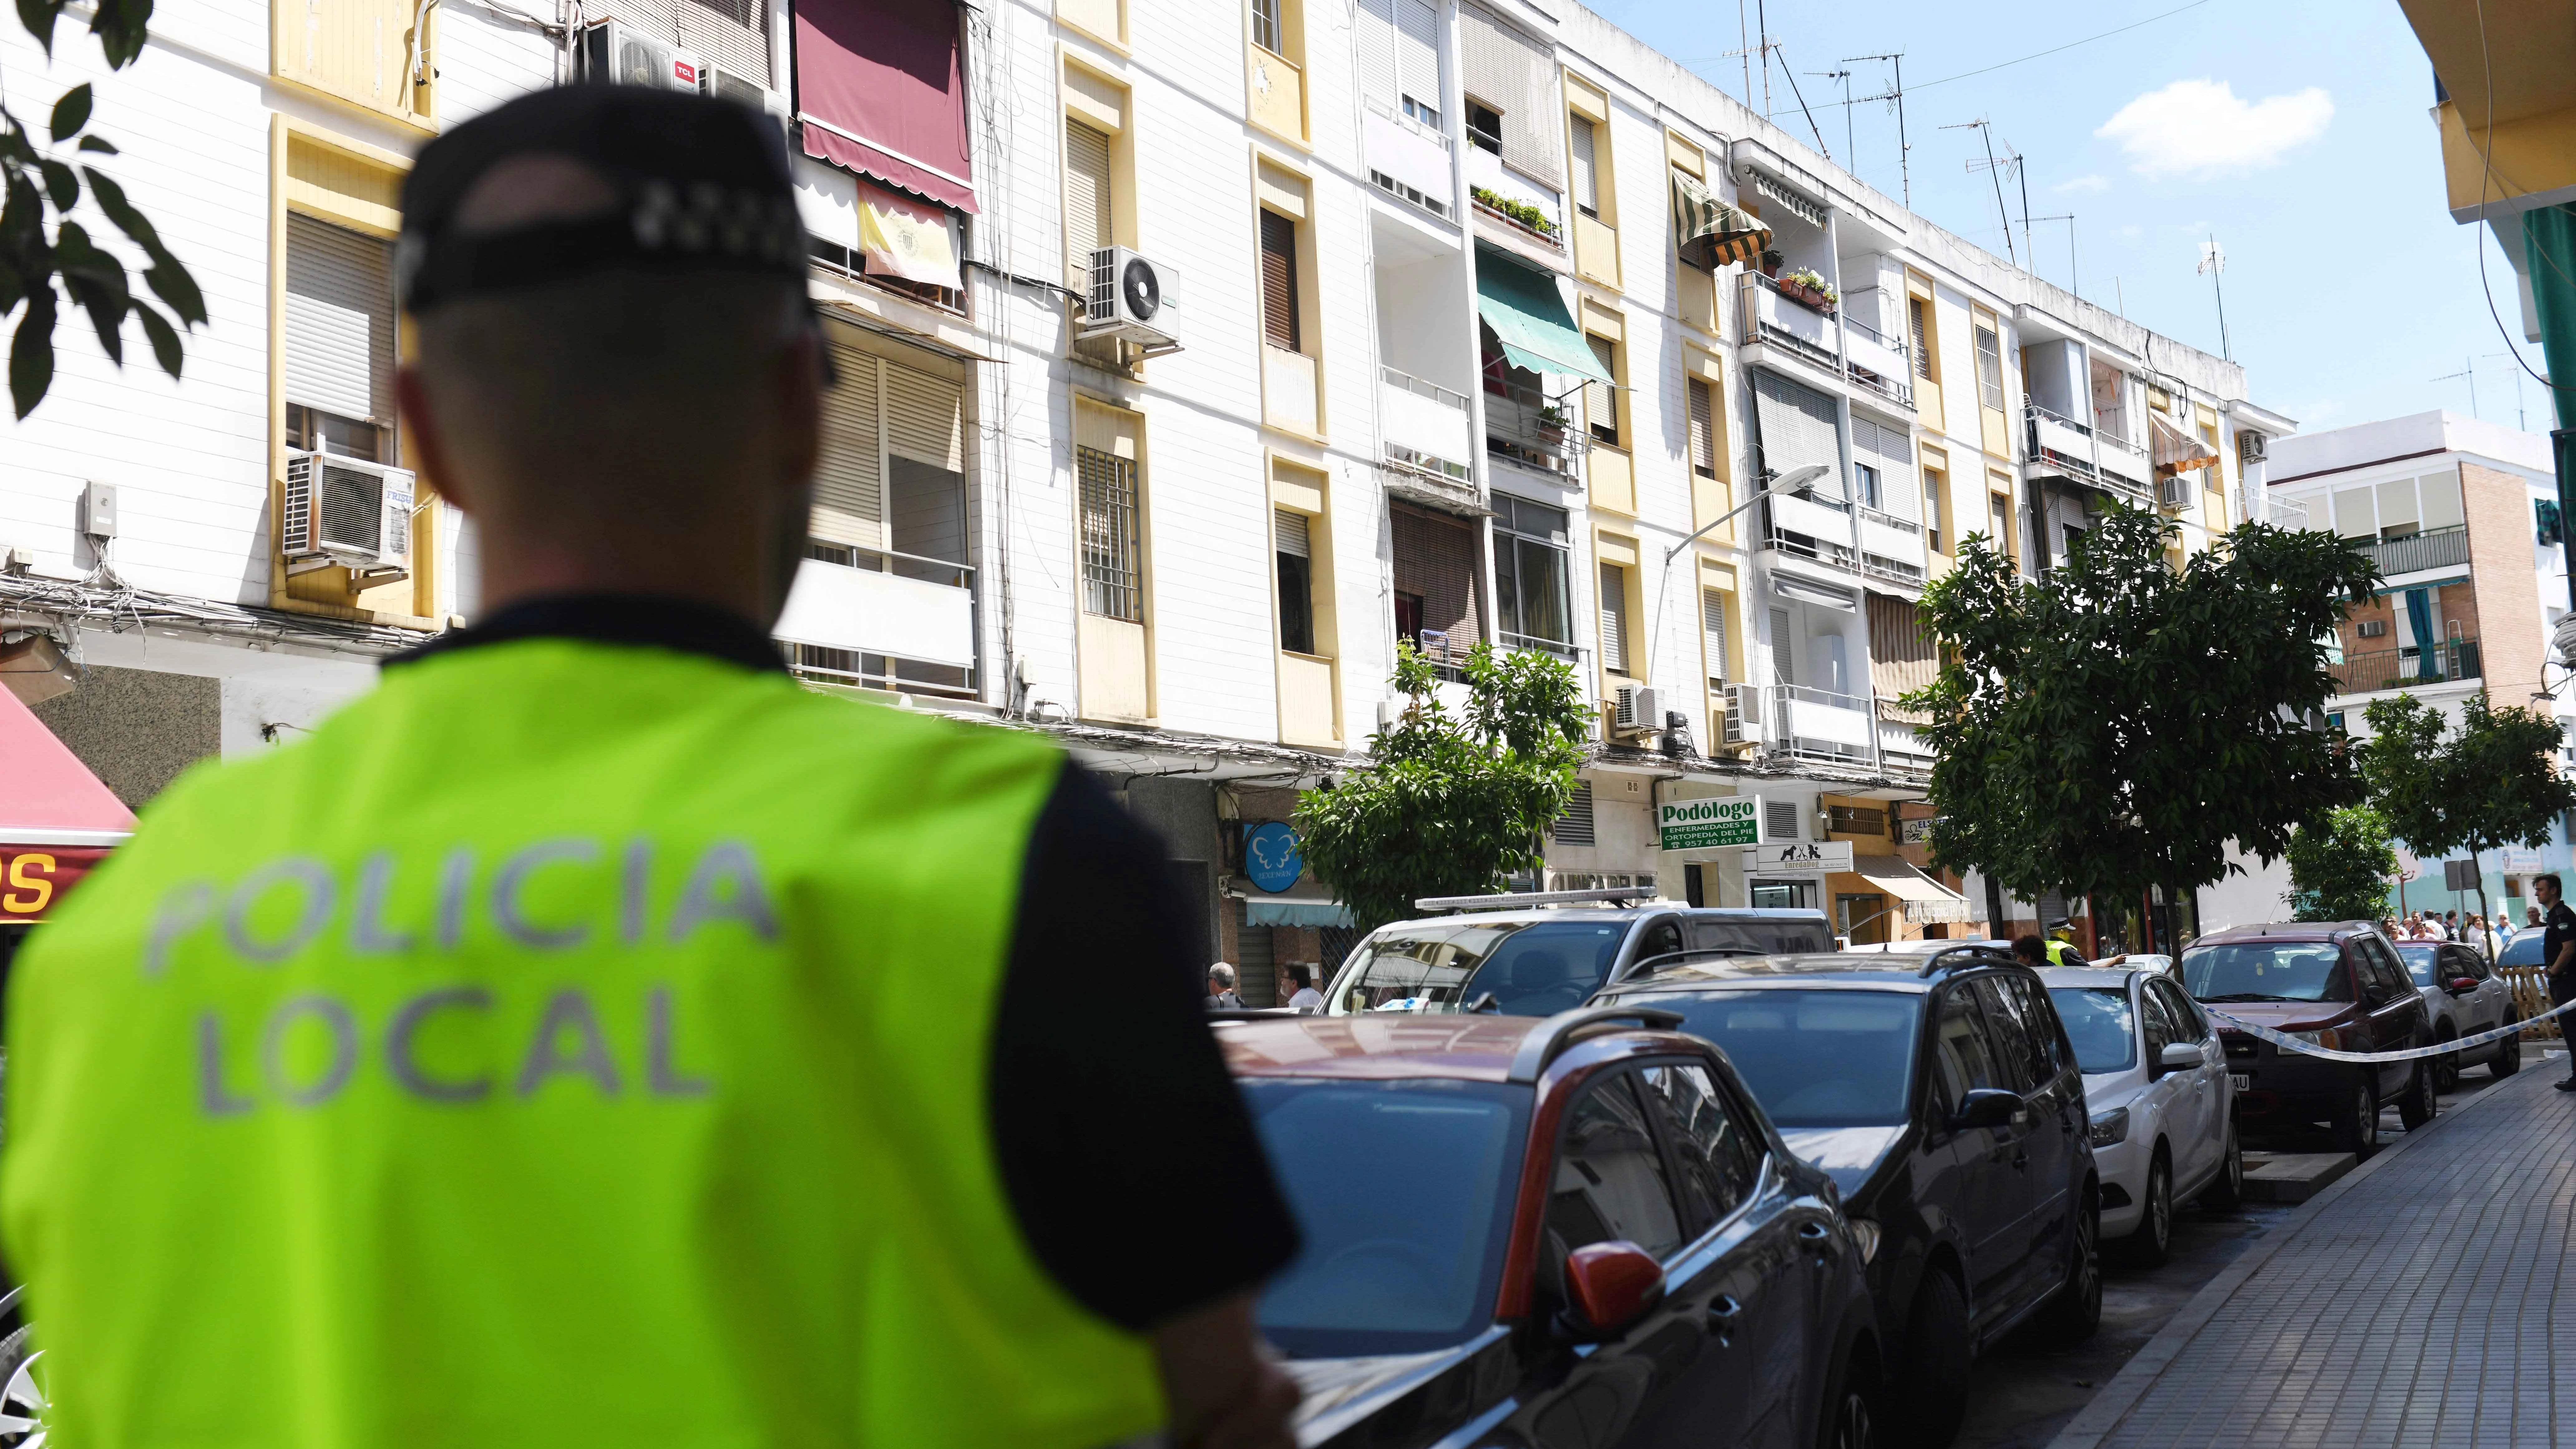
47 796
881 89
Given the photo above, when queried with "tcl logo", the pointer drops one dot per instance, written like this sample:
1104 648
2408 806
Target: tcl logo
685 71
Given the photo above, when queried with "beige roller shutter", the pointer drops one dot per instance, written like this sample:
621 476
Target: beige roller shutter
1087 204
1712 618
339 320
1703 427
730 34
1417 52
1379 81
925 419
1517 77
849 478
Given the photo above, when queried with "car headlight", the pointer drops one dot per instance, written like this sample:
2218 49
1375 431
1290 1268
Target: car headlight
2325 1037
2111 1127
1865 1233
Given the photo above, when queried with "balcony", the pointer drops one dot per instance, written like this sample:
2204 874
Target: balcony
2433 549
1816 528
1798 723
2449 662
886 607
1878 363
1891 547
1769 315
1424 418
1407 159
1523 427
2059 444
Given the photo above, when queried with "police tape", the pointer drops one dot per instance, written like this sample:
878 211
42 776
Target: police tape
2309 1048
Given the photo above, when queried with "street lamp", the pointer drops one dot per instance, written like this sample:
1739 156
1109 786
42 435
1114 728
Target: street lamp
1789 482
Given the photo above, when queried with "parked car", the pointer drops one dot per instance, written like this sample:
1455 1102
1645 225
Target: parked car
1578 1230
1945 1099
2336 984
2163 1112
1537 954
2524 949
2465 997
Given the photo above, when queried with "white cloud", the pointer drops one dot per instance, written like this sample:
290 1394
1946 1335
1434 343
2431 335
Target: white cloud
2084 183
2198 128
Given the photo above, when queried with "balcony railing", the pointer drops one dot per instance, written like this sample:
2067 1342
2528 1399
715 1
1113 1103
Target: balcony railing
1878 362
2060 444
1771 315
1800 723
1557 647
2443 663
2433 549
1517 430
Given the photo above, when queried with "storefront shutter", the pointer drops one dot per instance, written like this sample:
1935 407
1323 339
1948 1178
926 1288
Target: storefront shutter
1703 427
1256 963
339 320
849 488
1417 52
1087 208
1279 281
1517 77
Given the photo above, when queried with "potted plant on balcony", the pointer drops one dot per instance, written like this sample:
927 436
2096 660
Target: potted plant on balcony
1808 286
1770 262
1551 423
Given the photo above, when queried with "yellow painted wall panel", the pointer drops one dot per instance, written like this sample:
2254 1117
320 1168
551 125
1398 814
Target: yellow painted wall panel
1614 479
359 51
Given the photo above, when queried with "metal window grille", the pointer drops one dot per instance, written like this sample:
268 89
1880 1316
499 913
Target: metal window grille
1574 827
1990 368
1916 309
1111 547
1780 820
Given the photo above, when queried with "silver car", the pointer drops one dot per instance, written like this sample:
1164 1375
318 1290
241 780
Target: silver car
2163 1107
2464 996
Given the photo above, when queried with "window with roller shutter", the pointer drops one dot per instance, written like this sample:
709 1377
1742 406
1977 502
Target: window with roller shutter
1296 561
1703 427
1793 427
1279 320
1712 618
339 341
890 478
1088 213
1435 563
730 34
1587 178
1417 59
1601 399
1614 619
1515 78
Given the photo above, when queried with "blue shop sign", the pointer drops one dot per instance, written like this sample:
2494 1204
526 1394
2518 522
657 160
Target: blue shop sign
1271 856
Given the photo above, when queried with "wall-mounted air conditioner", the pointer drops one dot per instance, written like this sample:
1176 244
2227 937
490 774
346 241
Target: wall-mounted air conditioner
614 52
2175 490
1636 711
733 85
2252 447
1129 294
347 512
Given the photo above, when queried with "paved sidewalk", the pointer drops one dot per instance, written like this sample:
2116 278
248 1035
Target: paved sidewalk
2410 1304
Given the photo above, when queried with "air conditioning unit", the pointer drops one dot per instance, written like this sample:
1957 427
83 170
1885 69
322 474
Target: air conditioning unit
2252 447
1636 711
346 512
613 52
2175 491
733 85
1128 296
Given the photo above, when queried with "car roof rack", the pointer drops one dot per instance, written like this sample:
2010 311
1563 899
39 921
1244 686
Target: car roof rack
1566 1028
1979 954
1525 900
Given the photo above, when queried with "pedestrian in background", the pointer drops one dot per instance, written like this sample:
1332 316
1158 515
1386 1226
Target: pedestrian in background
2558 955
1305 999
591 1036
1221 995
2450 925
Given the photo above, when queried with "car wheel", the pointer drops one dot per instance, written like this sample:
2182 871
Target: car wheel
2446 1067
2419 1104
2226 1192
1932 1394
2076 1311
2152 1242
22 1393
2507 1059
2356 1125
1851 1413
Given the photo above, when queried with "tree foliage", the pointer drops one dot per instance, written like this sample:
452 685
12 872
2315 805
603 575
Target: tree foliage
2487 784
1450 804
2116 722
2340 867
48 260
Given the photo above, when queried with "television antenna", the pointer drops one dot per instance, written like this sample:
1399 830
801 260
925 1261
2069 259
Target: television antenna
1851 147
2214 261
2469 371
1995 170
1895 96
2075 276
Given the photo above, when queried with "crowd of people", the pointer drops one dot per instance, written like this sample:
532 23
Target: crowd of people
2475 929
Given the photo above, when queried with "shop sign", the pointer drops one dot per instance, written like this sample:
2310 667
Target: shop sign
1827 855
1915 832
1271 856
35 878
1699 824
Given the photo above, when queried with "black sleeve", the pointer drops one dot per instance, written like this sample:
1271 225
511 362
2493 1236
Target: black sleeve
1125 1148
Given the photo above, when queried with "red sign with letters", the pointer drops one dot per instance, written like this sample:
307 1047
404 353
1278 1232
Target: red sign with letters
35 878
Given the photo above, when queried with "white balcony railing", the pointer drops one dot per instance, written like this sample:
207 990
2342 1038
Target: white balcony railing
903 607
1769 315
1878 362
1522 427
1800 723
1423 416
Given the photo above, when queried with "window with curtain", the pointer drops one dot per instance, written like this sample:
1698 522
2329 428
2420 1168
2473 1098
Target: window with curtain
1990 368
1614 619
1112 547
1279 320
1296 582
1587 181
1601 399
1703 427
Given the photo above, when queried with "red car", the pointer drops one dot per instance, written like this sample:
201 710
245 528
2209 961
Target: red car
1570 1230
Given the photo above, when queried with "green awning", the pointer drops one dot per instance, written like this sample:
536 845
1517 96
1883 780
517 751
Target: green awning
1529 318
1711 233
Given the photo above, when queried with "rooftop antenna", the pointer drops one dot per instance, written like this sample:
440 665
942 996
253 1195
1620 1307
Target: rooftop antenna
1750 49
1791 77
2213 261
1851 148
1895 96
2520 421
2469 371
1994 169
2075 277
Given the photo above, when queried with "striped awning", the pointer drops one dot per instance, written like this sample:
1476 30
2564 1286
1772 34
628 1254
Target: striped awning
1711 233
2177 450
1805 208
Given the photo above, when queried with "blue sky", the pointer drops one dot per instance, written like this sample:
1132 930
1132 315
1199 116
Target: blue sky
2297 131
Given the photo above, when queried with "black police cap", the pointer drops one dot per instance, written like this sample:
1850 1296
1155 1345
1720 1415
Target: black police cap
702 185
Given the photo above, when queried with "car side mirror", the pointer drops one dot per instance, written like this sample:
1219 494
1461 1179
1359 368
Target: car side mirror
2463 985
1610 1286
1987 1107
2179 1056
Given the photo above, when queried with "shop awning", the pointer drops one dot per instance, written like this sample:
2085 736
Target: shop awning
2176 449
1529 318
881 89
1259 912
1926 900
47 796
1710 232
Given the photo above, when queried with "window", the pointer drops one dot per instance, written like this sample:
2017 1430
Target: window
1865 478
1720 1157
2020 1028
1999 522
1484 127
1855 820
1266 31
1918 317
1609 1180
1703 426
1530 573
1614 619
1601 399
339 341
1417 59
1587 180
1089 213
1436 574
1112 549
1712 618
1935 487
1279 320
1964 1059
1990 368
1296 583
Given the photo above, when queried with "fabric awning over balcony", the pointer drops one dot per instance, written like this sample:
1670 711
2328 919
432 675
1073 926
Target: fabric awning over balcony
1803 208
2176 449
881 89
1529 318
1710 232
1925 899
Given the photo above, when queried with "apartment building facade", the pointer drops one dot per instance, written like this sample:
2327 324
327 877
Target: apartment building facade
1194 357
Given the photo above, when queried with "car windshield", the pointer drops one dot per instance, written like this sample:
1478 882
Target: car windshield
2420 961
1403 1192
1533 968
2101 1025
2522 950
2266 971
1813 1058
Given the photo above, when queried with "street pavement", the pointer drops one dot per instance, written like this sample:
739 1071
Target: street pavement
2408 1304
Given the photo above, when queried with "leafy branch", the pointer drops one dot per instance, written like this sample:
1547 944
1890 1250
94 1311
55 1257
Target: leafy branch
48 261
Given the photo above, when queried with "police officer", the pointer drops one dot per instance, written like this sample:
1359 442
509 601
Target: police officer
591 1037
2061 944
2558 955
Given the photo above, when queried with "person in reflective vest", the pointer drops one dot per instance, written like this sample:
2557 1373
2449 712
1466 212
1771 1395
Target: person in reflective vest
592 1037
2061 944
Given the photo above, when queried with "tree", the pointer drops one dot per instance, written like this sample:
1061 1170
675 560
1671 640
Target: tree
1449 806
2489 784
46 266
2116 723
2339 869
